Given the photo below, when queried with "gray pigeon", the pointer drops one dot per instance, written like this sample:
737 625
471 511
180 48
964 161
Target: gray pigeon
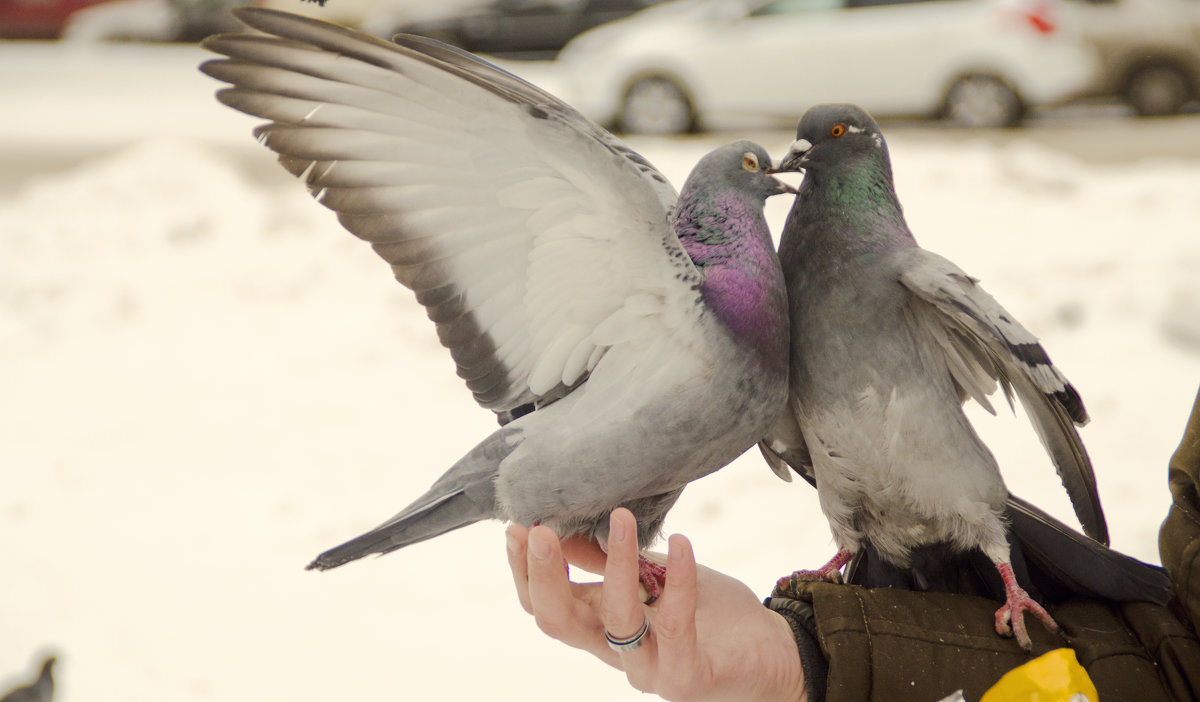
41 690
888 341
629 343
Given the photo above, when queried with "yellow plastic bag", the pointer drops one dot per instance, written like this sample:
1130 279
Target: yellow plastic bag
1053 677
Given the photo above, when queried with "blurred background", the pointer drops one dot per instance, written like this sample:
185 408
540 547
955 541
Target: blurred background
659 67
205 381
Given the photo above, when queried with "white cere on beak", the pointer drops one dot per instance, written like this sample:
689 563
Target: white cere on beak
799 147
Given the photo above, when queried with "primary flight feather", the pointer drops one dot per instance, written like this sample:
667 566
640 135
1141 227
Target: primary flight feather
628 340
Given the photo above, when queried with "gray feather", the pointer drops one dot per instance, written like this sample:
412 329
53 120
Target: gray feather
544 252
465 494
40 690
989 345
783 448
888 340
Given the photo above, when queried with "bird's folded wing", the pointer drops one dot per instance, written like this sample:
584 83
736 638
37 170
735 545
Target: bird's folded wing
532 236
784 447
984 344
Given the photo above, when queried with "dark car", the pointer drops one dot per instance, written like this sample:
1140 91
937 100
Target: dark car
525 28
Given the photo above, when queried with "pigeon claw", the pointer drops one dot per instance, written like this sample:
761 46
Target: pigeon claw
653 576
831 572
1010 618
820 575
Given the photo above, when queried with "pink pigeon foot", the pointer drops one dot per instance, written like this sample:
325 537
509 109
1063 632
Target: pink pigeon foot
830 572
652 575
1013 611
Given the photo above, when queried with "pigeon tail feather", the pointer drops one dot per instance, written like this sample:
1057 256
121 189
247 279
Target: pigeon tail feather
443 516
465 494
1081 565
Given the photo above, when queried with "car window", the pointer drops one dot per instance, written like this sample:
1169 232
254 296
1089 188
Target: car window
787 7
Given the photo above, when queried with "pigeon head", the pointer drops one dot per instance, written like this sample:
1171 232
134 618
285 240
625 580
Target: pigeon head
832 134
741 166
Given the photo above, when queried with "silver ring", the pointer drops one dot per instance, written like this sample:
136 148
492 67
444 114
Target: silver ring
632 643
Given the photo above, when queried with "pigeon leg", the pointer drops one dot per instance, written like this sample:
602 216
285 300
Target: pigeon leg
1013 611
830 572
652 575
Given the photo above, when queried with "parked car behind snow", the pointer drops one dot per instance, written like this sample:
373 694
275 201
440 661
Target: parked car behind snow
152 20
703 63
1149 51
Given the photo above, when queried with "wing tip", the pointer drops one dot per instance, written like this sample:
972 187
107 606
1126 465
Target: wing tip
323 563
1068 398
334 557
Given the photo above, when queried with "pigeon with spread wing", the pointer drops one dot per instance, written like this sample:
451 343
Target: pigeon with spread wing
629 340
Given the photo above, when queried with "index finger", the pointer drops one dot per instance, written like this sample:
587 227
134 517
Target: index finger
517 541
675 624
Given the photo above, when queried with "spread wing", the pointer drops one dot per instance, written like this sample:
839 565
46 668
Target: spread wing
983 345
534 238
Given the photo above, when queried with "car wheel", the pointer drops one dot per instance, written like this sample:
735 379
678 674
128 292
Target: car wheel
1158 90
656 105
982 101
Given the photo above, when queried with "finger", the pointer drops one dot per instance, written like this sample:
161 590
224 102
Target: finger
555 608
549 590
516 542
586 554
675 623
621 607
621 610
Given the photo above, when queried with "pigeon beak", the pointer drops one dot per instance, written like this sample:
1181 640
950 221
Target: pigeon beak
781 187
796 156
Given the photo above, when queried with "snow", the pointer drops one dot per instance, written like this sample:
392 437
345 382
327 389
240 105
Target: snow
205 382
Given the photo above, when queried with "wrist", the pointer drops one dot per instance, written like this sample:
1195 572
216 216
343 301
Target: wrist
792 686
802 627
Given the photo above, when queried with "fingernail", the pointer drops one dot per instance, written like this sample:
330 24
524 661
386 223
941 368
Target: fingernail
674 552
616 531
539 548
514 546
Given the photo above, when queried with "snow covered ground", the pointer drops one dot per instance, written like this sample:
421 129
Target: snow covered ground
204 382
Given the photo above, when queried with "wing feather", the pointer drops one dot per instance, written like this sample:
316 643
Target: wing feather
985 345
532 236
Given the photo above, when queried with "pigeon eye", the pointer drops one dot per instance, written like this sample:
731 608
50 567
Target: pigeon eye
837 131
749 162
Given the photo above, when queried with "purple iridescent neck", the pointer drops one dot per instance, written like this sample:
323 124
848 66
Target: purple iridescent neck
727 239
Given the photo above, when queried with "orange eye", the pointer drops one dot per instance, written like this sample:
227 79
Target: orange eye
749 161
837 131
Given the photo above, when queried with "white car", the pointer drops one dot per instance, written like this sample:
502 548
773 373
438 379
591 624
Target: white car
1149 50
698 64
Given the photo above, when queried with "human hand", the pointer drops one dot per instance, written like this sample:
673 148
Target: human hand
710 637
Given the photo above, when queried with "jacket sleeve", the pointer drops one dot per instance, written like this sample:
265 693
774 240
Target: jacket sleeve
1179 539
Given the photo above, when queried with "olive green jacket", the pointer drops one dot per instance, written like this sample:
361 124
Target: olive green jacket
861 644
